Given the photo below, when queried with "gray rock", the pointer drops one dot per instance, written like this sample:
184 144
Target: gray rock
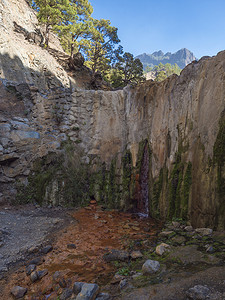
162 248
30 269
150 266
88 292
188 228
57 276
66 294
42 273
116 255
18 291
71 246
210 249
37 261
47 249
77 287
166 233
176 224
62 282
123 283
136 254
204 231
103 296
198 292
34 276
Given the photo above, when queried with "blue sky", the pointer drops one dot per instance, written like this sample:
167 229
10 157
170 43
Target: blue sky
167 25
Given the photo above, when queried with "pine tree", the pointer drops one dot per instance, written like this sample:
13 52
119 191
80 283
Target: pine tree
53 14
101 45
127 70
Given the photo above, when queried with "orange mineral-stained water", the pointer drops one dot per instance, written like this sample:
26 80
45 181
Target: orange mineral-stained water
93 233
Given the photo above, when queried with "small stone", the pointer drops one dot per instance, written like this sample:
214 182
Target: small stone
123 283
188 228
176 224
34 276
210 249
116 255
136 254
37 261
66 294
18 291
204 231
135 276
71 246
117 278
166 233
77 287
30 269
62 283
198 292
103 296
47 249
42 273
150 266
89 291
178 240
33 249
57 276
162 248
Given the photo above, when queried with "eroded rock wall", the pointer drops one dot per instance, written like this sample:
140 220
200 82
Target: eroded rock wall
59 143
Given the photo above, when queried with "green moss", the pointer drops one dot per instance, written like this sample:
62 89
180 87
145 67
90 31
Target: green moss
219 155
44 170
219 162
126 176
185 191
157 189
174 188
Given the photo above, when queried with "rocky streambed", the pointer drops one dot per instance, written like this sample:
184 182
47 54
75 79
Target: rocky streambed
92 253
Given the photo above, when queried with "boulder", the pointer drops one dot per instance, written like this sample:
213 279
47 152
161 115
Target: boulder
166 233
34 276
150 267
136 254
204 231
188 228
103 296
77 287
162 248
116 255
30 269
47 249
18 291
198 292
88 291
66 294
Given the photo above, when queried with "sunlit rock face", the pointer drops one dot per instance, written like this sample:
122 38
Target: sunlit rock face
52 129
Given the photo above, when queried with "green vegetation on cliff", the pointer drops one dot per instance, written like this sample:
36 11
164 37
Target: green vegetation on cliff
96 40
161 72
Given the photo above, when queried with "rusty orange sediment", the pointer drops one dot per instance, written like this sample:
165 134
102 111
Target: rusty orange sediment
94 232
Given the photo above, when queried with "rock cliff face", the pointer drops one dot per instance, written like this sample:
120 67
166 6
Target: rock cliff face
157 145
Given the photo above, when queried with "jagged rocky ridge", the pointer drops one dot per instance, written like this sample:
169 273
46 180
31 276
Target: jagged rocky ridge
60 143
182 58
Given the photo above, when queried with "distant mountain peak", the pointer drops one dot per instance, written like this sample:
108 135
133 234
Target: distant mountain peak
182 58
